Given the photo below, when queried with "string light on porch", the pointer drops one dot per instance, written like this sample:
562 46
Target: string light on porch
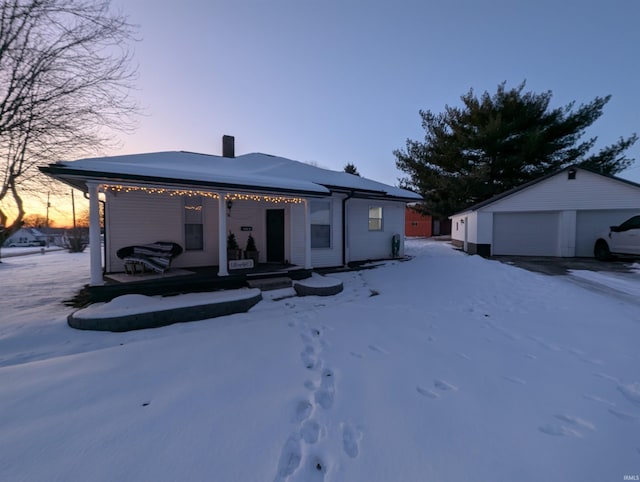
117 188
259 197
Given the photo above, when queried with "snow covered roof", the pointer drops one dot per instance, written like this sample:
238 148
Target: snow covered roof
527 185
249 171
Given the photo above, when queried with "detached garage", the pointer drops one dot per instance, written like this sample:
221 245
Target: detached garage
557 215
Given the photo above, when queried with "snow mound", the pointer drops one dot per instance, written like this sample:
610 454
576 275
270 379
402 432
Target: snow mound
318 285
135 304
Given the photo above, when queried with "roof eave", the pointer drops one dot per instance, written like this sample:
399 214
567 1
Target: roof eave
77 178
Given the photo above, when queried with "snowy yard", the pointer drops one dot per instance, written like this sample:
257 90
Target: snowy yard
459 369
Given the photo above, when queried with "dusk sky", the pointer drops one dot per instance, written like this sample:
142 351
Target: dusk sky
336 82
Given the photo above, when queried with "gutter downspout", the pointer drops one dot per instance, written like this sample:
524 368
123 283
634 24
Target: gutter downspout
344 228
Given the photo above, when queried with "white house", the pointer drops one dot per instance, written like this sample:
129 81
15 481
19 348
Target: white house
557 215
26 237
296 212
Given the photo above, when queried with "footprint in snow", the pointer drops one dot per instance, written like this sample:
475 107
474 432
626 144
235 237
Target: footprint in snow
575 421
310 431
628 417
303 410
559 431
607 377
594 398
324 396
350 440
516 380
309 360
631 392
426 392
580 355
443 385
377 349
316 469
289 458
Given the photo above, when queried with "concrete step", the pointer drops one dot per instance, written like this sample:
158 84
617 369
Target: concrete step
268 284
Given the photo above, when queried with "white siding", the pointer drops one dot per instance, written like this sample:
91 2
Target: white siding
364 244
558 193
326 257
139 218
471 224
572 210
457 227
254 215
590 223
296 228
482 225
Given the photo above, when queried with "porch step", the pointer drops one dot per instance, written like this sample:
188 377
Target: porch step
268 284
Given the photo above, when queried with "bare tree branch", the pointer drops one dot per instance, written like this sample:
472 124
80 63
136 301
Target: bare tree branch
66 74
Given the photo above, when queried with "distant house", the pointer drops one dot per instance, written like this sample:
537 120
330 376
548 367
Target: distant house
25 237
54 236
556 215
297 213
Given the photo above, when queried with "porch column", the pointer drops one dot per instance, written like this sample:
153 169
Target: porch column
95 251
307 234
222 235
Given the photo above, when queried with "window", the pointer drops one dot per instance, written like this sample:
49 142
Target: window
633 223
193 233
375 218
320 224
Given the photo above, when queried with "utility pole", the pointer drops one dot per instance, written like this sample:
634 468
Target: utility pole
47 221
73 208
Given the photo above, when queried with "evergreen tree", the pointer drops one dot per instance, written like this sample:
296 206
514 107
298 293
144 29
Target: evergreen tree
351 169
496 142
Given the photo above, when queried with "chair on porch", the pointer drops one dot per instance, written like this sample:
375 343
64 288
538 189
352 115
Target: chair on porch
149 257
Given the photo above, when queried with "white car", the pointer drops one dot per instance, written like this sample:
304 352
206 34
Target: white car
619 240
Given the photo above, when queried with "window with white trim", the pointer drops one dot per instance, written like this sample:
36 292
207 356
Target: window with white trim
375 218
193 232
320 224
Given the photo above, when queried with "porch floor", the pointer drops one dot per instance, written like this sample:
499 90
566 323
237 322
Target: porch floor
183 280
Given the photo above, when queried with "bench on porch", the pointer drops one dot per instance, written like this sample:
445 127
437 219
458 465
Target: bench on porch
149 257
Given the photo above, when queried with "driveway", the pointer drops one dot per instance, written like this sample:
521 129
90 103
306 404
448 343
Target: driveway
617 278
564 266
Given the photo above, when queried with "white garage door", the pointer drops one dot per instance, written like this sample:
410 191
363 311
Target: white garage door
590 223
526 234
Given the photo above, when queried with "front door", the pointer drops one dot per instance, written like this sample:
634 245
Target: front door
275 235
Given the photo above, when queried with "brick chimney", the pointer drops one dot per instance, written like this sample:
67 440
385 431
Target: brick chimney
228 146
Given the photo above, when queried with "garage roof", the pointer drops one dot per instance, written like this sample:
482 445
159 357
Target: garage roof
527 185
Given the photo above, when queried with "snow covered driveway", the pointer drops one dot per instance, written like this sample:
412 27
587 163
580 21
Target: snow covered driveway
457 368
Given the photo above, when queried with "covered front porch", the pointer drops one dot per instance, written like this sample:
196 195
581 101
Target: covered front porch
190 280
201 222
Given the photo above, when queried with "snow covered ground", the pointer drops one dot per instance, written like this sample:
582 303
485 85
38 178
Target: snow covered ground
457 368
